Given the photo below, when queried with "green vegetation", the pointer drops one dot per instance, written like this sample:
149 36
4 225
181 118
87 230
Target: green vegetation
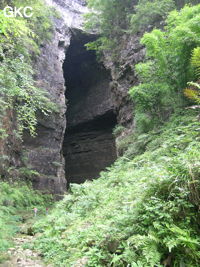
19 44
118 130
112 18
192 92
167 68
149 12
20 101
16 201
142 212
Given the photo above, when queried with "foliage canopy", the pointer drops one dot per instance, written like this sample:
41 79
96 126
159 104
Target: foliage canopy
167 67
112 18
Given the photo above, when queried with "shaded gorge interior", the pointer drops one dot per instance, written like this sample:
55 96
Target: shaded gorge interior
89 145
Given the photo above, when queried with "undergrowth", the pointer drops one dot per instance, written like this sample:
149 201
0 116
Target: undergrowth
143 211
16 200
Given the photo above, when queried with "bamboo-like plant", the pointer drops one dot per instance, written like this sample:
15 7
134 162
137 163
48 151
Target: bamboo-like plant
193 91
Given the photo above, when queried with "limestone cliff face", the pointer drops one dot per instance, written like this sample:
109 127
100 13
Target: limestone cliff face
10 146
77 143
123 75
44 152
89 146
71 12
130 52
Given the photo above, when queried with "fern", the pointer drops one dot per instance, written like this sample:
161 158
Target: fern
195 60
193 91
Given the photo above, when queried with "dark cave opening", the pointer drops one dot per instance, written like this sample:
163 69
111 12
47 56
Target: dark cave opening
89 145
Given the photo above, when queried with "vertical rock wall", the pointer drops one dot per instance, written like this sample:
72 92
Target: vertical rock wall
44 152
130 52
94 107
10 145
89 145
97 100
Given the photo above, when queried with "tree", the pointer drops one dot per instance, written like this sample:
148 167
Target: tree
166 69
110 18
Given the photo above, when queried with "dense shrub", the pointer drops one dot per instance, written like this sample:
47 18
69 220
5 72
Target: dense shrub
147 13
113 18
141 212
150 13
109 19
15 201
193 89
167 68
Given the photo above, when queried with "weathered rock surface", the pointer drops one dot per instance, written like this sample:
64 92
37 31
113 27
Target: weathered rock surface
21 257
97 99
44 152
130 52
71 11
10 149
89 146
90 149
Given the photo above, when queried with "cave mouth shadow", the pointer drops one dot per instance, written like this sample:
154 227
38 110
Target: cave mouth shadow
89 145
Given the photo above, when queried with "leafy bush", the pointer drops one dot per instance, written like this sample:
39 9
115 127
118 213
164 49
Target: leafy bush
195 61
193 91
20 40
113 18
118 130
15 201
167 68
149 12
110 19
141 212
40 23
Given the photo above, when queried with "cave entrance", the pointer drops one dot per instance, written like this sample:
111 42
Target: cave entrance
89 146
